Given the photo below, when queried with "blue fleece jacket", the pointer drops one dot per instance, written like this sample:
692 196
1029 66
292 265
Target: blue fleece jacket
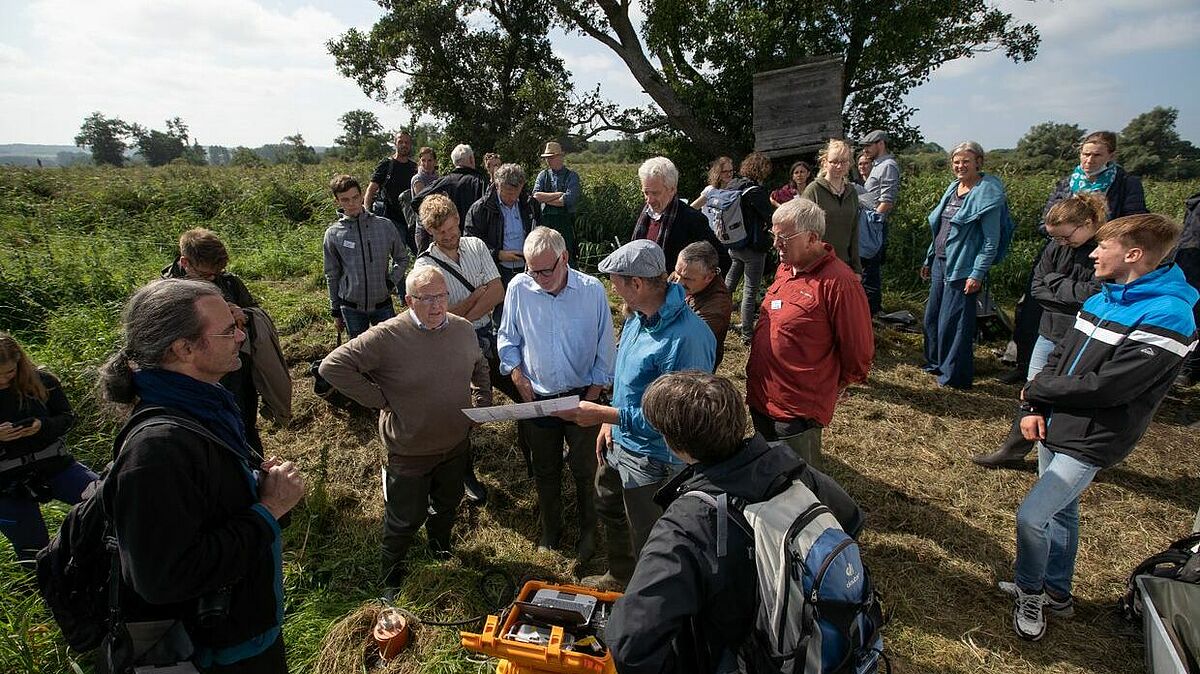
673 339
979 232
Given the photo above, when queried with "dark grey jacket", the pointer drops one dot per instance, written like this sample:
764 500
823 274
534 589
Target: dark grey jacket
1125 196
1063 279
356 252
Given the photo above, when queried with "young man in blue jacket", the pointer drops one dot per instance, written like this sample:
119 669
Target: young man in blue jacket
1094 399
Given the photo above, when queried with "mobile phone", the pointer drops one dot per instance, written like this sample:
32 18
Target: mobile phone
24 423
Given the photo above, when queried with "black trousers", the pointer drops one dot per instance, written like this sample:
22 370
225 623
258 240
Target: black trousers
409 494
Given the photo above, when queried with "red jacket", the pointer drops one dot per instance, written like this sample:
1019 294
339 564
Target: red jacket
813 339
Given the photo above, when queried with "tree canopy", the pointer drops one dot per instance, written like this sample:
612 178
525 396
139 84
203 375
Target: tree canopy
1151 146
107 138
1050 145
362 136
486 67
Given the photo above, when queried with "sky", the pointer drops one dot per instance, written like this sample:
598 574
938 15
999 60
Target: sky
249 72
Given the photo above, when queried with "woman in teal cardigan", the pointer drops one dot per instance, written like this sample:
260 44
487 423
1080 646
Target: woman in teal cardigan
971 229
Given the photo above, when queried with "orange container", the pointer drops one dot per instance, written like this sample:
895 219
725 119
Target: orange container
391 633
518 657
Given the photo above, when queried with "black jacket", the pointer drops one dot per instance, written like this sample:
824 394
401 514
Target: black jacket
1062 279
485 221
1125 196
463 185
187 519
686 608
56 417
686 226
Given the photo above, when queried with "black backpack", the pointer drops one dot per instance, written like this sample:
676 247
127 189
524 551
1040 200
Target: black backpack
78 573
1180 561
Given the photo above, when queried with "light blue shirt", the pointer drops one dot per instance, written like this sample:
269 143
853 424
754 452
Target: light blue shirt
883 184
514 229
561 342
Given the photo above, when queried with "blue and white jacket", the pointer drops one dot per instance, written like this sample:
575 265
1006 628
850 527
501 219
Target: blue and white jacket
1108 374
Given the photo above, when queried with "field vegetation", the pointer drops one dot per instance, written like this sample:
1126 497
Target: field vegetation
75 242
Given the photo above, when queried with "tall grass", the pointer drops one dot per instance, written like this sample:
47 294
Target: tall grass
75 242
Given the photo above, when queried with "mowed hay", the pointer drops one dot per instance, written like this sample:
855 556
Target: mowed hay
940 530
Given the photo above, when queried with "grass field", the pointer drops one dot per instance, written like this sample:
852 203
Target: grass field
940 532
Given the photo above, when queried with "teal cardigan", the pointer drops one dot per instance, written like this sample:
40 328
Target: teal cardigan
979 232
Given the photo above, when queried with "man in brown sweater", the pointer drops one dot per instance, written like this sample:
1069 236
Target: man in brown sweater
697 270
420 403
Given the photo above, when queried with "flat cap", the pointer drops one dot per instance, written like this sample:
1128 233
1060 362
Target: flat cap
873 137
637 258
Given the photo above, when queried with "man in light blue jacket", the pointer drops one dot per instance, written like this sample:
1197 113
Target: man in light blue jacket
661 335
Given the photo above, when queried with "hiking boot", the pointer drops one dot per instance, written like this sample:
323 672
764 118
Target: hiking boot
1059 608
586 547
1028 620
605 583
1011 454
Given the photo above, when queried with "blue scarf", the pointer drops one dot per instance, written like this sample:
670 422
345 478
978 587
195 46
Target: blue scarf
1081 182
212 405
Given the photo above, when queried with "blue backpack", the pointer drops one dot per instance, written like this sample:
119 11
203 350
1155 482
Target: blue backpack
818 612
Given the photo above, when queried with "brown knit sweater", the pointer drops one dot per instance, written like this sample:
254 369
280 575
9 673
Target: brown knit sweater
420 380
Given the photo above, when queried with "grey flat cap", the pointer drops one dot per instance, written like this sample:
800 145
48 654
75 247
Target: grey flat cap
873 137
637 258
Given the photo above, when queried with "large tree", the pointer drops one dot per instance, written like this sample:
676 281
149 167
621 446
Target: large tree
1151 146
485 67
107 138
1049 144
696 59
160 148
362 136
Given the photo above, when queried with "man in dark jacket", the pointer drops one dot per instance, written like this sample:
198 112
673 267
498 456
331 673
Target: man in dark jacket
393 176
688 609
502 219
464 185
1187 256
666 219
203 257
195 509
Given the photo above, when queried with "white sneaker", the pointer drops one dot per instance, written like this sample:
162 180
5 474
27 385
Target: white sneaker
1028 620
1059 609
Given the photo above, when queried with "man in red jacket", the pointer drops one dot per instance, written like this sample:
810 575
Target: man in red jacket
813 337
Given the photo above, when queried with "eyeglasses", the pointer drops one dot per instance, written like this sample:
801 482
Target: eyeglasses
431 299
231 333
1066 239
784 238
546 273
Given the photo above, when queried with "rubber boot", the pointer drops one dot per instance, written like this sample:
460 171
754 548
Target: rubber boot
585 497
1011 454
549 515
476 491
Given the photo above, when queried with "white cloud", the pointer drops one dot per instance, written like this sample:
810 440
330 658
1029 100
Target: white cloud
234 70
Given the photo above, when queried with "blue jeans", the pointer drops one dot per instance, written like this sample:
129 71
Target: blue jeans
949 329
750 262
21 520
1048 523
358 321
1037 359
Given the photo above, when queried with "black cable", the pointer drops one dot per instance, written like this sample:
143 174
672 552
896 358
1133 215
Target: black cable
498 597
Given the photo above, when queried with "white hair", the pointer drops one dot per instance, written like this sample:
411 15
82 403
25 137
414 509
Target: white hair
420 276
969 146
542 239
461 154
660 167
803 215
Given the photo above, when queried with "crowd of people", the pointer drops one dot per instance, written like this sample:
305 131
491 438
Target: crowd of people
495 300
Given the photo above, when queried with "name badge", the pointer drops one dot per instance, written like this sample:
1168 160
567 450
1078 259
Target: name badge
776 305
348 244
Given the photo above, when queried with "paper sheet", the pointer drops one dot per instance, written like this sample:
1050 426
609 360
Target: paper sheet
540 408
